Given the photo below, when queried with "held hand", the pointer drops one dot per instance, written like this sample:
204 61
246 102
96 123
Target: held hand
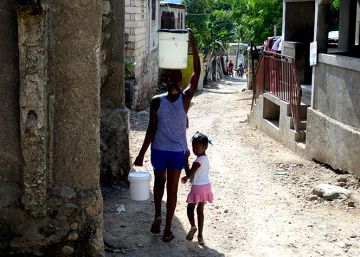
187 154
184 179
139 160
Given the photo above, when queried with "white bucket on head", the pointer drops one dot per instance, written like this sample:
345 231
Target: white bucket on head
173 48
139 185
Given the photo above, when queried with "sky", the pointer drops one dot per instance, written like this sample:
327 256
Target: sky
172 1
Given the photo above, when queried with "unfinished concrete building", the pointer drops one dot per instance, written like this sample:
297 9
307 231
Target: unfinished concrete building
314 109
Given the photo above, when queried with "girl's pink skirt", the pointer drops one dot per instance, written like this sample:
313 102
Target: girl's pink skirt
200 194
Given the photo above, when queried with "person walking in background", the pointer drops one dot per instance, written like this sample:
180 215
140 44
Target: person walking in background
240 71
231 68
166 133
201 192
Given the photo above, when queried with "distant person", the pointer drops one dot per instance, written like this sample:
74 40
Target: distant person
231 68
240 71
227 67
201 192
166 133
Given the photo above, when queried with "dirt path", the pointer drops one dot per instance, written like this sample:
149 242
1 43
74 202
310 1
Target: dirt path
256 212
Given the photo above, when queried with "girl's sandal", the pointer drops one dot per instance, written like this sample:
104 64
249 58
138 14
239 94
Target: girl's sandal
155 227
201 241
168 236
191 233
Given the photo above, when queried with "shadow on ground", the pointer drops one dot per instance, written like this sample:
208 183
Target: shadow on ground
127 233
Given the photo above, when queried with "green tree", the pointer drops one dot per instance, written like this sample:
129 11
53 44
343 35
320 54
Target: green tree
197 17
211 21
255 19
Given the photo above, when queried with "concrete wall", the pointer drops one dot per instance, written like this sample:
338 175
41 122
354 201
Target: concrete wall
273 117
336 88
51 203
334 119
332 142
146 83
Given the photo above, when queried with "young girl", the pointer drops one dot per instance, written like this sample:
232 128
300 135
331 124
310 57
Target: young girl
201 187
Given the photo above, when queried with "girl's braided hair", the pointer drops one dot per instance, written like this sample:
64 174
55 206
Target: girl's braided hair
200 138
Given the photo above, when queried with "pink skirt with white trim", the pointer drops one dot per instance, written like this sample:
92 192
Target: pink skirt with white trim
200 194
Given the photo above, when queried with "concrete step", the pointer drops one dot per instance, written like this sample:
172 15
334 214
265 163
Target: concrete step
303 111
299 136
290 123
301 144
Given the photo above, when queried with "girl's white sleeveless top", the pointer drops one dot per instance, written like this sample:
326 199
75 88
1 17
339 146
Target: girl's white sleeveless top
201 176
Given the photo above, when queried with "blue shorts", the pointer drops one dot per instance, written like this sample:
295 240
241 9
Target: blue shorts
162 160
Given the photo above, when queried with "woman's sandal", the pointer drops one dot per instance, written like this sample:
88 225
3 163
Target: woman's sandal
155 227
168 236
191 233
201 241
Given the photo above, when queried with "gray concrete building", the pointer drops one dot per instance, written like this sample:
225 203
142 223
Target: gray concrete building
329 127
54 101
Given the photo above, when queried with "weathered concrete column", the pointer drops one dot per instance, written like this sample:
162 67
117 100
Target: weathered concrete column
321 29
344 26
322 9
74 76
115 125
32 29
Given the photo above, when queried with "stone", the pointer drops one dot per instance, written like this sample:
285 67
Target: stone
113 242
342 179
74 226
351 204
312 198
341 184
73 236
68 193
330 192
67 250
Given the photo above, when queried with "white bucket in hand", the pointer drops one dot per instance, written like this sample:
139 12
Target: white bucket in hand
139 185
173 48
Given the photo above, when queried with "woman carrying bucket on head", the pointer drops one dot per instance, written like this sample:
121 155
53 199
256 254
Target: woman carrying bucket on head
166 133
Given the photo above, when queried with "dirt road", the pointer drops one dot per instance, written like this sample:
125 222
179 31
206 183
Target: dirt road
263 204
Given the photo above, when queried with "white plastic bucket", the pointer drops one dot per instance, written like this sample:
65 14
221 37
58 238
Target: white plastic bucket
173 48
139 185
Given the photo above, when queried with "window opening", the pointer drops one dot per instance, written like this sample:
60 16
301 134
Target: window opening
153 9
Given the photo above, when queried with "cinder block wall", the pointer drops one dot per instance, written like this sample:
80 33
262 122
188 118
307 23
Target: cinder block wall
141 47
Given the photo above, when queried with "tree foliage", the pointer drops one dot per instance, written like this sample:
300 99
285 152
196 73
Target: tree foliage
255 19
219 22
211 21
